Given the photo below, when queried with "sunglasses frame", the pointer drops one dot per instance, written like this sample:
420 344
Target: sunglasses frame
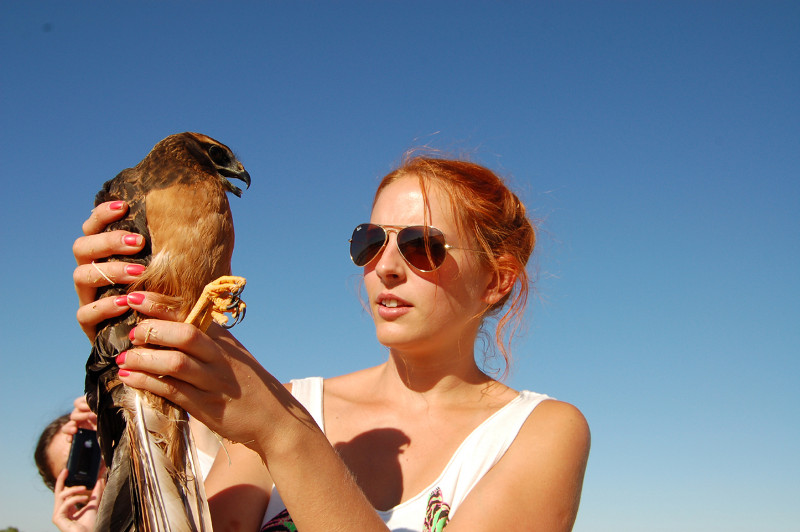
397 229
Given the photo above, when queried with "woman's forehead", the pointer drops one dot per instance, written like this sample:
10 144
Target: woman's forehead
402 202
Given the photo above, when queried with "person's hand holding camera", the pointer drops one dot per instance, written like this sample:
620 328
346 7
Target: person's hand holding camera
81 417
75 507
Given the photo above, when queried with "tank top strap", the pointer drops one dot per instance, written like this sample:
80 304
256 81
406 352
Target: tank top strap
485 446
308 392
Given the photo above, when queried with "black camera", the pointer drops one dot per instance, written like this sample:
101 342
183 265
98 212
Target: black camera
84 459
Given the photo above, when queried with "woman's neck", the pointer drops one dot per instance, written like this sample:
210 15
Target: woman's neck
441 379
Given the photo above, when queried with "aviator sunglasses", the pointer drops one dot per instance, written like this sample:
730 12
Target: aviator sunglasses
421 246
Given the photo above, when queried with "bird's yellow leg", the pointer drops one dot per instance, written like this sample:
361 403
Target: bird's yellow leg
220 297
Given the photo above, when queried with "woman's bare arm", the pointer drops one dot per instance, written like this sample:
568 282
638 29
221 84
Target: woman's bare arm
536 486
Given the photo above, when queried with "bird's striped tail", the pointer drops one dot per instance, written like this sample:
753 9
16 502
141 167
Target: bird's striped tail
168 486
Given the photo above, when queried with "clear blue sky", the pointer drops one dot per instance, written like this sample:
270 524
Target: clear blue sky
658 143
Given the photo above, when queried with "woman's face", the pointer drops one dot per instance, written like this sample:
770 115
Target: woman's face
58 452
434 311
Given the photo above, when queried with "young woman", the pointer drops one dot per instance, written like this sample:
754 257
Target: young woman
74 507
423 440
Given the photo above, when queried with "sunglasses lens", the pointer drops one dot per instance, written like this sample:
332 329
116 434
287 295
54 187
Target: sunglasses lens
412 244
366 242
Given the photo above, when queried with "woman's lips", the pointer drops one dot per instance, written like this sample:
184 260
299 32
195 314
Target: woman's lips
391 307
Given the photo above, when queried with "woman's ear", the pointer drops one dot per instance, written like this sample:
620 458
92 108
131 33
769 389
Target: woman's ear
502 281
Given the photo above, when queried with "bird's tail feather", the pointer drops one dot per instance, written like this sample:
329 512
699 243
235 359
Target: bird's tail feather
169 487
114 513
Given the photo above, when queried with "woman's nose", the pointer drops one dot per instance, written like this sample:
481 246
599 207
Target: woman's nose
390 262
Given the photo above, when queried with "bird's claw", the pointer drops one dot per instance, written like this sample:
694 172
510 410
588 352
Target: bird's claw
237 309
220 297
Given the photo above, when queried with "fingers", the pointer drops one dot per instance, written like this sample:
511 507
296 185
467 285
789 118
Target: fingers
182 336
60 479
90 314
178 390
176 377
192 366
102 473
153 305
63 492
170 372
99 487
79 416
147 303
98 246
75 508
104 214
94 274
80 403
70 428
161 363
82 416
73 496
91 274
207 375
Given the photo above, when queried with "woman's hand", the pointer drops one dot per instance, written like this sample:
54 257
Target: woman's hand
75 507
211 375
89 275
81 417
217 381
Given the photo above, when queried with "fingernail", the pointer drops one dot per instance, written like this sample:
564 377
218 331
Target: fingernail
124 373
131 240
121 301
135 298
116 205
134 269
132 334
120 360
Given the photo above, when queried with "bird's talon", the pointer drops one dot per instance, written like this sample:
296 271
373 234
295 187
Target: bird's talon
219 297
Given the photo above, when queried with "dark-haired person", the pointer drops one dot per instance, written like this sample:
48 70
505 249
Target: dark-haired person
74 507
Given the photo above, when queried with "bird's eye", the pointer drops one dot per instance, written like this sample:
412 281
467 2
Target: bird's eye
219 155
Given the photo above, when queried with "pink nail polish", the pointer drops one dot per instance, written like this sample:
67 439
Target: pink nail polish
124 373
121 301
116 205
135 298
120 360
131 240
132 334
134 269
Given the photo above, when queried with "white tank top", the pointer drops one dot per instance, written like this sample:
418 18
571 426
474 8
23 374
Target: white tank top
479 451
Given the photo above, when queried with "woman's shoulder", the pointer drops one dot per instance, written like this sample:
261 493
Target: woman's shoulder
350 385
555 425
537 482
341 386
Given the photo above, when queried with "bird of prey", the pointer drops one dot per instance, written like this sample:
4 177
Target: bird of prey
177 201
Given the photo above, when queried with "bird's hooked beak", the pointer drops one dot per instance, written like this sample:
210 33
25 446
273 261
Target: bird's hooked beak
240 174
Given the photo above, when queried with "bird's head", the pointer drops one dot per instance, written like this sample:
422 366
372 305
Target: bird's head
218 158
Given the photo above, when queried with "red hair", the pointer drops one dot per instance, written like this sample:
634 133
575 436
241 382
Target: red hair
486 210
